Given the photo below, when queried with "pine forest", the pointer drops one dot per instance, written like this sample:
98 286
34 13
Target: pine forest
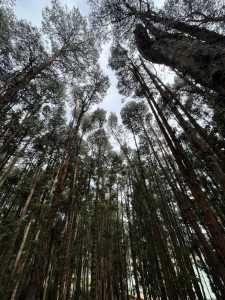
100 205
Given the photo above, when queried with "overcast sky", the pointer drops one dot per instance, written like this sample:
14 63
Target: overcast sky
31 10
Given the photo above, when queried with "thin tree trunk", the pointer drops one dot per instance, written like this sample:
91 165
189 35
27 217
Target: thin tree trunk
26 119
38 273
9 168
189 175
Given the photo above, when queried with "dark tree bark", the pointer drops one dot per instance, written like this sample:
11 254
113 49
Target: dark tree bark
11 89
203 62
200 33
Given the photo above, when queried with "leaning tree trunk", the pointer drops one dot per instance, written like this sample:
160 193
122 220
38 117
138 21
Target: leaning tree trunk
204 62
19 220
189 174
185 206
5 172
204 151
72 220
200 33
16 132
11 89
39 268
169 96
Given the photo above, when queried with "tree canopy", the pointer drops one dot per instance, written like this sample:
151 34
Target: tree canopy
98 206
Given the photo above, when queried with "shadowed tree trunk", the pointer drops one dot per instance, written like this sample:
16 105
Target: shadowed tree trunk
200 33
11 89
201 61
39 268
190 178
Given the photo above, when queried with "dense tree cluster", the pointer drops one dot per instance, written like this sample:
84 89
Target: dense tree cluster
81 218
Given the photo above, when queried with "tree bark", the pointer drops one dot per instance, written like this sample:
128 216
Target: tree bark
189 175
39 268
203 62
200 33
11 89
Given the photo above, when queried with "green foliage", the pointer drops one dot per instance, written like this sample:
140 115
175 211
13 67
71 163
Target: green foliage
78 213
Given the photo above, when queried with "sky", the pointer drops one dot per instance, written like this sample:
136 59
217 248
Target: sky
31 10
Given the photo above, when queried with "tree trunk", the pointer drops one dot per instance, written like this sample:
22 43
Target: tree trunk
9 168
26 119
185 207
188 173
200 33
206 154
11 89
201 61
39 268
